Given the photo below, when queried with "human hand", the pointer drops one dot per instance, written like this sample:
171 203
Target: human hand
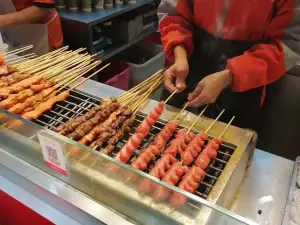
174 76
209 88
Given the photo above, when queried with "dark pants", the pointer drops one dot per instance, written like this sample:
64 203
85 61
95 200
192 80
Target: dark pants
210 56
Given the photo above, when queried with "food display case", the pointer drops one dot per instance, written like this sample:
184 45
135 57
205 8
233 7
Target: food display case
86 169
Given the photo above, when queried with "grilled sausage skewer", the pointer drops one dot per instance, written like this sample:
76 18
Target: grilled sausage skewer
177 170
160 169
193 177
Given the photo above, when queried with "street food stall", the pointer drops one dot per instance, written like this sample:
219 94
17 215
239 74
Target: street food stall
87 153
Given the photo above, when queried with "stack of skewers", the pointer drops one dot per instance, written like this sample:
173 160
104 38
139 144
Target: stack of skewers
33 86
102 127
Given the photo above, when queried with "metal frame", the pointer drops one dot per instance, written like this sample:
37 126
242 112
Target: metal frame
239 137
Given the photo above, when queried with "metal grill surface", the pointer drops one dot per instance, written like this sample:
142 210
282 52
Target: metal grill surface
79 103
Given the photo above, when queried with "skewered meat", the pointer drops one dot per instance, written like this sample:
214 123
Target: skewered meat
141 132
44 106
44 84
2 59
72 124
209 152
193 148
11 69
179 143
31 108
13 78
31 101
172 177
155 148
13 99
120 133
99 117
102 127
3 70
189 183
150 120
20 86
158 171
109 131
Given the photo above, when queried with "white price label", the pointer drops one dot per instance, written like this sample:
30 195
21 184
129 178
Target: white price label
53 155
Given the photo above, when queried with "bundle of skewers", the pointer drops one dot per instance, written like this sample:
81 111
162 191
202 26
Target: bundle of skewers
34 85
7 60
105 124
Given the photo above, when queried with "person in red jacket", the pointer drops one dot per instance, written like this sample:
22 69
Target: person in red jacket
26 22
225 52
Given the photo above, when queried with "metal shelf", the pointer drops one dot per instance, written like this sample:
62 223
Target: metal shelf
98 16
121 47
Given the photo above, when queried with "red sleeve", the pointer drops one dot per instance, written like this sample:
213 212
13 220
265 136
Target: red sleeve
175 25
265 63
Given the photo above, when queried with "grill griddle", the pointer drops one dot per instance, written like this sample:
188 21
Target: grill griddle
79 103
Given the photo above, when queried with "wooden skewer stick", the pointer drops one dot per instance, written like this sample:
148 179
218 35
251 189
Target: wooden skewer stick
23 59
50 54
174 92
19 57
61 66
60 76
19 50
227 126
68 73
51 61
213 123
177 116
142 84
55 71
135 99
81 82
145 98
191 127
75 76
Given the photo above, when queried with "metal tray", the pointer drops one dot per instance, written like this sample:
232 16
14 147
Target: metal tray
287 218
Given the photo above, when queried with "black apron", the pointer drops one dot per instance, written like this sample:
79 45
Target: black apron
210 56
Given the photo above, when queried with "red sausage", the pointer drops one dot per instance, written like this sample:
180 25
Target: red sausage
189 183
155 148
209 152
178 144
193 148
172 177
158 171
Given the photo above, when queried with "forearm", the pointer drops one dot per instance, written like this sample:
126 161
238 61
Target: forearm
180 53
26 16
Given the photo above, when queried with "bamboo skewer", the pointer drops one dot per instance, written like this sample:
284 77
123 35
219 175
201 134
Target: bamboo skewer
43 57
63 67
215 121
70 81
177 116
44 64
142 85
227 126
19 50
198 117
20 57
23 59
174 92
81 82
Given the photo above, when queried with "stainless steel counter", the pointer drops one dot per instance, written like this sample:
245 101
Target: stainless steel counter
268 175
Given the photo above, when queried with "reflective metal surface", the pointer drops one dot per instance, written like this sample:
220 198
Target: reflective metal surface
268 175
57 199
